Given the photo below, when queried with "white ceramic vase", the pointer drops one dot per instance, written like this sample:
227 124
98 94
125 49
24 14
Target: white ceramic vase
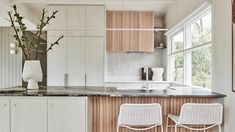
32 73
157 74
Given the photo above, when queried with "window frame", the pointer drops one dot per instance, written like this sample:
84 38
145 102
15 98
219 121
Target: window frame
183 27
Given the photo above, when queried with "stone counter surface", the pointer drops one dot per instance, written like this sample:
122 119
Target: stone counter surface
109 91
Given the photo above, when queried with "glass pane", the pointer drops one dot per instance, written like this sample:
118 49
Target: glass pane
201 67
177 42
177 68
199 32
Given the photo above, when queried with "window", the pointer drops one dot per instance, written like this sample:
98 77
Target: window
189 55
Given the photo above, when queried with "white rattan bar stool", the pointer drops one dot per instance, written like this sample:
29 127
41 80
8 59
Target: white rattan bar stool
198 117
140 116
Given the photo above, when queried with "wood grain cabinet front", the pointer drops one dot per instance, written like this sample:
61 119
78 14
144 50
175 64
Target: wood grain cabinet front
130 31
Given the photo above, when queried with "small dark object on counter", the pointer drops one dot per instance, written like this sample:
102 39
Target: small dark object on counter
143 75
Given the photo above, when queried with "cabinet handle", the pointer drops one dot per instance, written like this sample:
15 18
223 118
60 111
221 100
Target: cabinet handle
52 105
85 79
14 105
66 76
5 104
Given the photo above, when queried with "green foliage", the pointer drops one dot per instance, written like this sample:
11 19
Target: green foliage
201 58
30 47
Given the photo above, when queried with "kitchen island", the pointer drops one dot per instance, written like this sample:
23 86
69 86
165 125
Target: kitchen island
101 104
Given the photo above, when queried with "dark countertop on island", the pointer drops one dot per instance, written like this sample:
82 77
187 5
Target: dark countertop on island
109 91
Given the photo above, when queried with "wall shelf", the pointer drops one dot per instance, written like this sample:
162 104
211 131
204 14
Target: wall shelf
136 29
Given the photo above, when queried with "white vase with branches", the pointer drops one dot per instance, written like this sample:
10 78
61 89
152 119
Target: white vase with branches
32 50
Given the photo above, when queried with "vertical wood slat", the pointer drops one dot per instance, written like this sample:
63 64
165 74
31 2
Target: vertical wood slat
105 110
10 65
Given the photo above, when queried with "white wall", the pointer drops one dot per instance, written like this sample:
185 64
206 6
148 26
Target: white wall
180 10
222 53
222 61
32 17
126 66
10 65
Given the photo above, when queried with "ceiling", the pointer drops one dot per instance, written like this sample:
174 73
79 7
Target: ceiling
158 6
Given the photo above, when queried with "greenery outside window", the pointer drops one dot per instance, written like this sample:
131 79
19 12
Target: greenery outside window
190 49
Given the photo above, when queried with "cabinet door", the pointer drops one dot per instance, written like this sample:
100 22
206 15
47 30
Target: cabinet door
76 20
28 115
59 23
125 34
146 41
56 62
67 115
146 38
134 23
4 115
114 37
94 61
95 20
76 61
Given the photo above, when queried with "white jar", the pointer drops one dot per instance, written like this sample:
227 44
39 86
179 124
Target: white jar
157 73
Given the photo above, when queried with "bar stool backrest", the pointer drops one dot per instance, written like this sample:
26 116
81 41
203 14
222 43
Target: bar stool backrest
140 114
201 114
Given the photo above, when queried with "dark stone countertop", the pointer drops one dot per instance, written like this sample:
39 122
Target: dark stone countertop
109 91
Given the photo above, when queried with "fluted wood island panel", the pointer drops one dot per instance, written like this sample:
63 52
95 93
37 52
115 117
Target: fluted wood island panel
105 110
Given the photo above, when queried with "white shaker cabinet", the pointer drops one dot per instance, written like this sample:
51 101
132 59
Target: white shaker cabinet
28 115
4 115
67 115
95 20
76 20
59 22
76 61
79 58
56 62
94 61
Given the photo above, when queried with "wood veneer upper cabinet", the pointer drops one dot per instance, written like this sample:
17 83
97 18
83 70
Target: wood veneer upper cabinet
130 40
146 20
146 38
125 34
134 23
114 38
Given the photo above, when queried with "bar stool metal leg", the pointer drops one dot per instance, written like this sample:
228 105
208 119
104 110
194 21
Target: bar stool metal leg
219 128
175 128
167 120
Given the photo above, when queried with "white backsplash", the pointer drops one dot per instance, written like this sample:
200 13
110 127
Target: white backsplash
126 66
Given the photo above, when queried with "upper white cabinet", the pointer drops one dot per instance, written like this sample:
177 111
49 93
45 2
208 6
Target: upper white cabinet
76 20
76 61
67 115
95 22
59 23
94 61
56 62
28 115
4 115
79 57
